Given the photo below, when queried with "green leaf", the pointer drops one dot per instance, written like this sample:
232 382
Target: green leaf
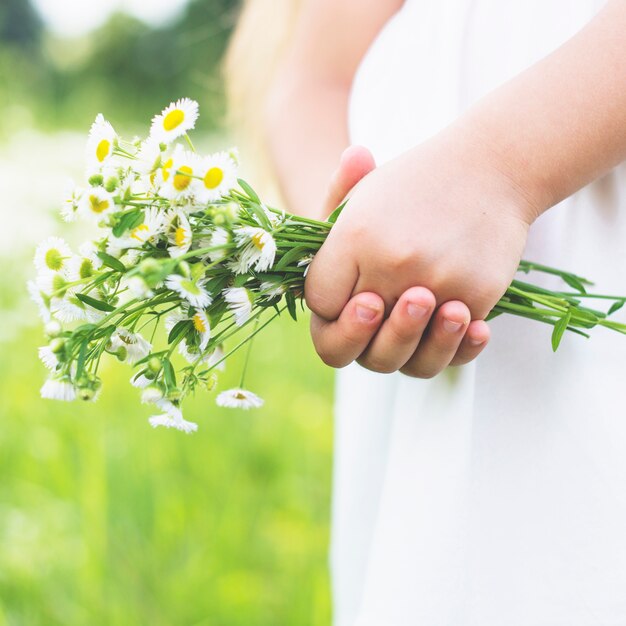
82 355
111 261
559 328
180 328
574 282
260 216
616 306
291 255
334 216
168 372
291 305
249 191
96 304
128 222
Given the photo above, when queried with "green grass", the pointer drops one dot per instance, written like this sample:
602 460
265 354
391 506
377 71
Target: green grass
106 521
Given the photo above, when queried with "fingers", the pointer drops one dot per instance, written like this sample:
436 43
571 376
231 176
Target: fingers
439 346
341 341
400 334
355 163
476 338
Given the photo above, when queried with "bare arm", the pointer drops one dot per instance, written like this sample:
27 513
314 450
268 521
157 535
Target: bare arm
561 123
307 107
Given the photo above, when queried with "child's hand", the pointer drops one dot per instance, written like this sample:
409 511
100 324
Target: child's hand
441 216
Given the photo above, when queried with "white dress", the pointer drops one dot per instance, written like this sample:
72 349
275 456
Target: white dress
493 494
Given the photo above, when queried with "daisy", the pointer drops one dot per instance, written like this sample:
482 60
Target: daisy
52 255
179 234
151 227
256 248
58 389
172 418
100 145
71 202
140 381
96 202
151 395
271 289
139 287
219 237
174 121
191 290
70 309
240 301
218 175
85 263
239 399
135 345
202 326
48 358
179 183
149 158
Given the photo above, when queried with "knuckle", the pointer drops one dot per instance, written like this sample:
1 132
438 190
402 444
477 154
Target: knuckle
375 364
419 371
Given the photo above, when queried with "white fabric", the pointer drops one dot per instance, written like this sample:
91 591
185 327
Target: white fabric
494 494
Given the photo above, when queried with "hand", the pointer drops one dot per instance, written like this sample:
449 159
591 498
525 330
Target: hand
440 344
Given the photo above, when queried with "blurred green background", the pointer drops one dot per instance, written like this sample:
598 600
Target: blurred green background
102 519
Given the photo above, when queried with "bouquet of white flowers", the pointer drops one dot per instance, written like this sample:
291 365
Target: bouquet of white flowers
186 256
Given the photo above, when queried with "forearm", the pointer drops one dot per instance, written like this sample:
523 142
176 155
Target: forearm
307 130
562 123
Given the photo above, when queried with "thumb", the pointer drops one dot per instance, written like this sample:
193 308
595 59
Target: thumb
355 163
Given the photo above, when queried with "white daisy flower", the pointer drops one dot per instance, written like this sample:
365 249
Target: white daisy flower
71 201
239 399
174 121
215 359
202 326
271 289
58 389
85 263
43 304
70 309
135 345
149 158
52 255
219 237
151 395
172 418
48 358
179 234
138 287
101 143
256 248
218 176
96 202
240 301
140 381
151 227
191 290
172 319
180 181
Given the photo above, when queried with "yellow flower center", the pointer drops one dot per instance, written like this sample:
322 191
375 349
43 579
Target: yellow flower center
213 178
98 205
257 240
54 259
173 119
180 236
182 178
167 166
240 396
137 233
199 323
103 149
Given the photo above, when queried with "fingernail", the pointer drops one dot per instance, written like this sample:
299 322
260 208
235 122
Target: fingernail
477 342
366 313
416 311
451 327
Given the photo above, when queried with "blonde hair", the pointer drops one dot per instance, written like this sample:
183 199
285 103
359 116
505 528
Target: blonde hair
256 47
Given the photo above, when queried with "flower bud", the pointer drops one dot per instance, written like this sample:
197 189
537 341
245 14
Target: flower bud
175 395
154 365
57 345
111 184
53 329
211 382
86 394
184 269
96 180
121 353
149 266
